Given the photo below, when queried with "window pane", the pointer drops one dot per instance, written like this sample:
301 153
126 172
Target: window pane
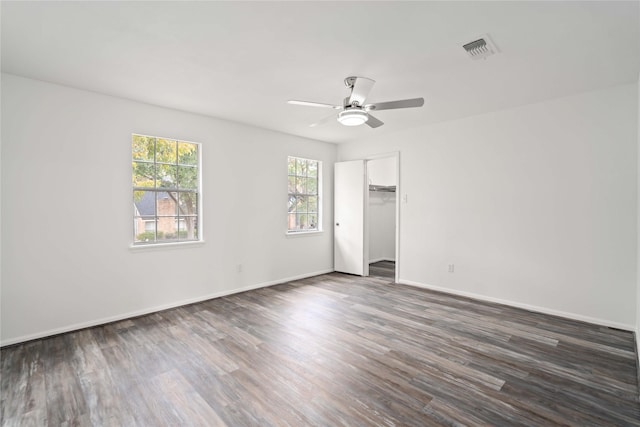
301 204
187 177
145 204
301 185
142 148
166 151
291 168
312 203
292 222
166 176
167 228
302 221
313 221
312 185
292 203
166 204
188 203
180 228
144 230
187 153
292 184
143 174
187 229
313 169
301 167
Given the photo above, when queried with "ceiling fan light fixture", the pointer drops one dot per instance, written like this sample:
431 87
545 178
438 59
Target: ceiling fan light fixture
353 117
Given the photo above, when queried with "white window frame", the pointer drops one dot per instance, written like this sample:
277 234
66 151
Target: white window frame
135 214
319 196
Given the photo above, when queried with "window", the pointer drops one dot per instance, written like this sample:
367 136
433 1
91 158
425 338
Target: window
304 195
166 190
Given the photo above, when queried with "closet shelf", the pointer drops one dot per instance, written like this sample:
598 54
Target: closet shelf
382 188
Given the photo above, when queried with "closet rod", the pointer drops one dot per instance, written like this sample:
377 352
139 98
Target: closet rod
382 188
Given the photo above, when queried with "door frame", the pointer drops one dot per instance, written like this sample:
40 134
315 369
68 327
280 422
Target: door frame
396 155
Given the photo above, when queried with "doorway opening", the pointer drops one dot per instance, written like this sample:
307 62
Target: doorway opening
382 177
366 215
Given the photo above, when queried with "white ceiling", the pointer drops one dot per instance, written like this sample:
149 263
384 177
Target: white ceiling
242 61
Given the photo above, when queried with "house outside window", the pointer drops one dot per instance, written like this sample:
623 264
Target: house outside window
166 190
304 188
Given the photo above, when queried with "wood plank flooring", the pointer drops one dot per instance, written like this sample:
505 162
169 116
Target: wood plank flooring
327 351
383 269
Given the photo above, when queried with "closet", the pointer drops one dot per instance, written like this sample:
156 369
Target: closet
382 176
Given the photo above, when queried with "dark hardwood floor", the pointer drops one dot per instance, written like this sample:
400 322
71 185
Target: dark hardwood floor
329 350
383 269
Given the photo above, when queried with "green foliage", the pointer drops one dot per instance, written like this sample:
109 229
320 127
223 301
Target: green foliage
179 235
313 169
302 167
149 236
163 163
291 166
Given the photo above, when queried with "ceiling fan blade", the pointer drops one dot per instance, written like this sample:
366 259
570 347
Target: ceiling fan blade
361 88
373 122
322 121
392 105
313 104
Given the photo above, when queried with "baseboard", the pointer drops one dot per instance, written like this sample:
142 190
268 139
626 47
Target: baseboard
124 316
371 261
537 309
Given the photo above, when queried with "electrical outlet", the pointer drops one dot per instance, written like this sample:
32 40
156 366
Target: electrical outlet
451 268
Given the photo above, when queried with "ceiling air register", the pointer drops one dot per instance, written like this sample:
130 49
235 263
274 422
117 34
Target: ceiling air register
481 48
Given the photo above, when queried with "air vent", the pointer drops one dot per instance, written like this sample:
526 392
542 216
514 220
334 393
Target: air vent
481 48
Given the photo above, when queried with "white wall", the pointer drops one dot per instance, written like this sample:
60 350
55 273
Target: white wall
382 171
67 204
535 206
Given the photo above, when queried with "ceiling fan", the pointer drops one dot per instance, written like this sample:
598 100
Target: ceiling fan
354 111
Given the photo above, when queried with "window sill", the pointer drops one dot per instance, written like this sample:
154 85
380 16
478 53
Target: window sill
302 233
164 246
